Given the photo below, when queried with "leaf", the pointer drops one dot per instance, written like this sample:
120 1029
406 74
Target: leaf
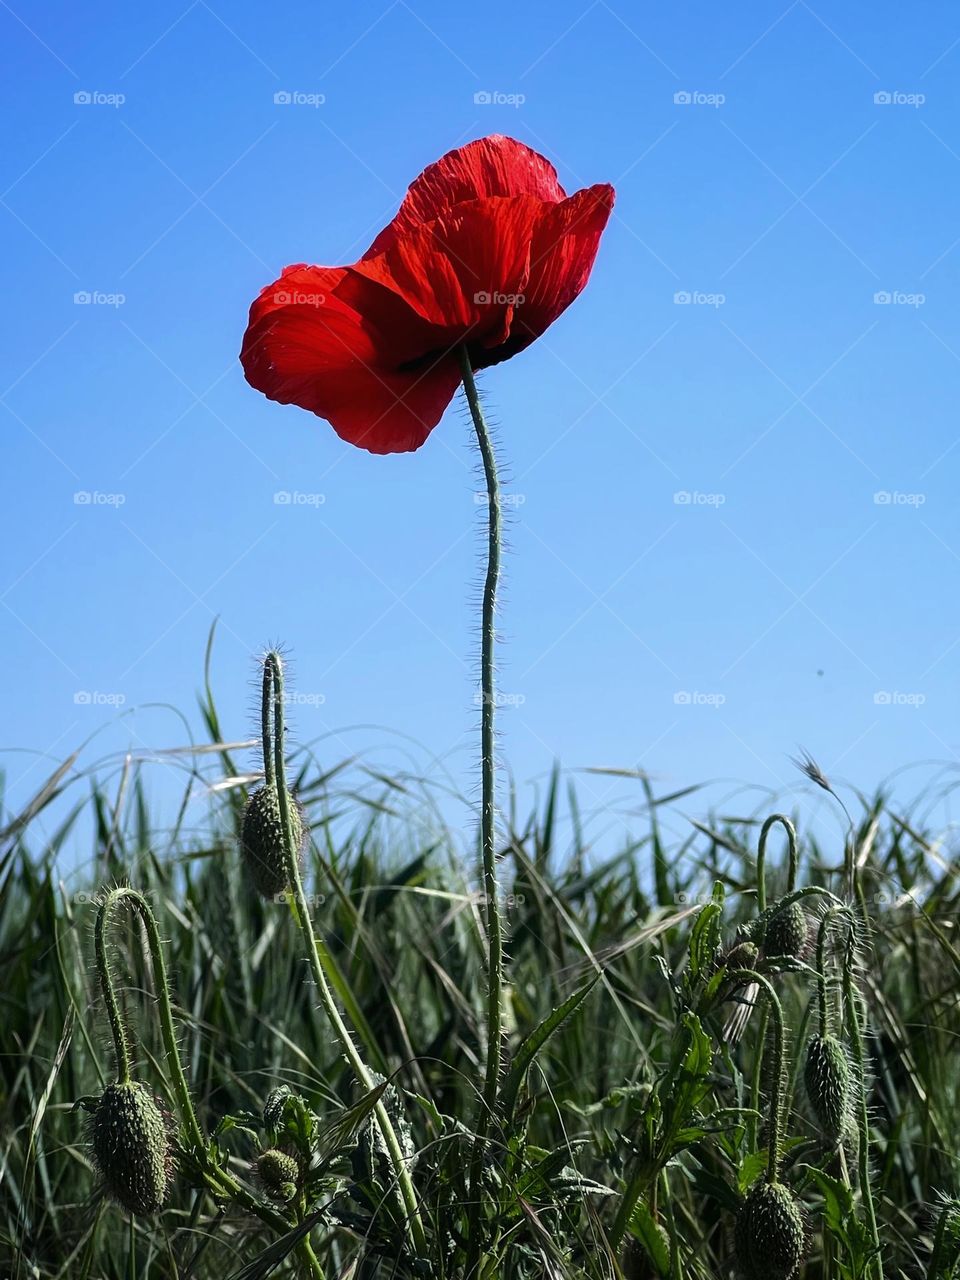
643 1228
537 1039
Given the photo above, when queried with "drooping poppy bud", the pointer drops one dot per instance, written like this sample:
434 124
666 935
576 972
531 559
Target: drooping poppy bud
131 1145
770 1233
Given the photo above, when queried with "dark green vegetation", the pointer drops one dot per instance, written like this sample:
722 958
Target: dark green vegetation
658 1124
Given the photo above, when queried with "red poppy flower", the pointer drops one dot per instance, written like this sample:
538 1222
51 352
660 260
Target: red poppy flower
486 250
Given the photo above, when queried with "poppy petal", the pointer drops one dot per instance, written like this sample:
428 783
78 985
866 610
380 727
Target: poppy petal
493 166
562 252
464 271
338 344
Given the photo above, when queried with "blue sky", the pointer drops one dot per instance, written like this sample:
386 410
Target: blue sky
792 170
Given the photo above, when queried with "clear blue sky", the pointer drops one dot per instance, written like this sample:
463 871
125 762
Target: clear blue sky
783 601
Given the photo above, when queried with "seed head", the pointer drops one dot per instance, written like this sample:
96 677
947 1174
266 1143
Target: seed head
261 840
131 1146
770 1234
829 1084
278 1172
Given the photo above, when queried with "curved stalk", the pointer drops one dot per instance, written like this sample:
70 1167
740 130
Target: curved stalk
794 857
217 1180
320 961
181 1090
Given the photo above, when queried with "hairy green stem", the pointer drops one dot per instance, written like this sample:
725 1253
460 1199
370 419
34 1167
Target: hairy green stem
852 1002
488 851
794 857
321 963
829 919
217 1180
181 1090
779 1054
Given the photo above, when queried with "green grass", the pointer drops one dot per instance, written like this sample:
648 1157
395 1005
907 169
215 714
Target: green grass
636 1088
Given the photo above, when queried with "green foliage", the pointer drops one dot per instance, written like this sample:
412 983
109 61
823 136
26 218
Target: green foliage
633 1130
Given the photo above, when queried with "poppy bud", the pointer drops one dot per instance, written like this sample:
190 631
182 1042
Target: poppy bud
829 1085
787 932
770 1234
131 1146
279 1173
261 839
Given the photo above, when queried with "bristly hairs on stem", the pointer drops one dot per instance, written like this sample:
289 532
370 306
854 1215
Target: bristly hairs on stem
488 821
793 856
854 1018
776 1116
322 966
111 900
